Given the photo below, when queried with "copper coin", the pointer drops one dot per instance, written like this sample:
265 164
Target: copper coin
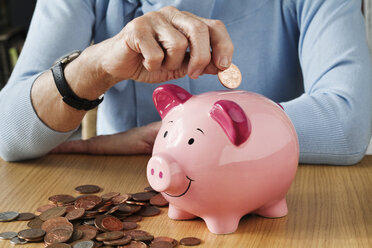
136 233
109 195
158 200
133 218
59 245
125 208
53 223
190 241
87 189
231 77
76 235
143 196
43 208
112 223
75 214
83 244
90 232
86 205
166 239
25 216
122 241
98 223
149 211
7 235
8 216
134 244
144 238
52 213
110 236
149 189
120 199
161 244
58 235
35 223
128 225
31 234
113 209
137 203
94 198
62 198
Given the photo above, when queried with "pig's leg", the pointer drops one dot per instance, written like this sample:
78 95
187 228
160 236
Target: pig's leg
178 214
274 209
222 224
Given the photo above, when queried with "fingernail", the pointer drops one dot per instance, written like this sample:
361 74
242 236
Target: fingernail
196 74
224 62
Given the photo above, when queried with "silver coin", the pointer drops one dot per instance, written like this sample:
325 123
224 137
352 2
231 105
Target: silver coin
18 241
8 216
8 235
84 244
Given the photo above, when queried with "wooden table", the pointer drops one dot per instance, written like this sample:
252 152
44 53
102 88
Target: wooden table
329 206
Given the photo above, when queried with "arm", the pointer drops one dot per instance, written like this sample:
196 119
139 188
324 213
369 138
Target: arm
151 48
333 116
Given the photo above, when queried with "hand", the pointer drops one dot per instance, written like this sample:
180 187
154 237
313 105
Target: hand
152 48
134 141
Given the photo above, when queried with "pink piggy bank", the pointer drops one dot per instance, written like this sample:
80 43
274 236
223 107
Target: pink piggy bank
221 155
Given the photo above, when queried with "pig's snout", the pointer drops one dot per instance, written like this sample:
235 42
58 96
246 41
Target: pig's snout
164 174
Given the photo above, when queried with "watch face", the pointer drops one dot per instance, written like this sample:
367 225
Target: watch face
67 58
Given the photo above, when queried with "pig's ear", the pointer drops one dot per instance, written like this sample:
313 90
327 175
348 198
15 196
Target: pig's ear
169 96
233 121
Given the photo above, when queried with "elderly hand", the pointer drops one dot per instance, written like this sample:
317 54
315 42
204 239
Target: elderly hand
153 48
134 141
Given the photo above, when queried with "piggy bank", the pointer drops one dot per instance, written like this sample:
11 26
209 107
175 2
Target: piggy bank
221 155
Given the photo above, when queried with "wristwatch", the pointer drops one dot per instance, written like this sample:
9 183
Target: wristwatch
68 96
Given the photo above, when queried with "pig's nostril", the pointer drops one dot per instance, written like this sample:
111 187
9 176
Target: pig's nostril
152 171
161 174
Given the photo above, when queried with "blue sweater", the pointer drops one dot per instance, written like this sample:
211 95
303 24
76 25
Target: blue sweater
309 55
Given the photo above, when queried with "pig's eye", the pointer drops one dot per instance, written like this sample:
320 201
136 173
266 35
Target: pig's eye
191 141
165 134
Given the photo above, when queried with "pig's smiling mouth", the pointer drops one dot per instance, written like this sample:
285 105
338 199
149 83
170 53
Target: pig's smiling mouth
188 187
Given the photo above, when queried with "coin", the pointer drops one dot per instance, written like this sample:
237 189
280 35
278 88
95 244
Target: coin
35 223
190 241
135 233
158 200
125 208
75 214
43 208
149 189
161 244
110 236
149 211
112 224
87 189
31 234
52 213
58 235
59 245
128 225
84 244
61 199
109 196
8 216
8 235
90 232
134 244
25 216
143 196
76 235
53 223
166 239
231 77
133 218
122 241
18 241
144 238
120 199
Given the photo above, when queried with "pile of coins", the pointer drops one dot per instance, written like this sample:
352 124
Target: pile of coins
90 221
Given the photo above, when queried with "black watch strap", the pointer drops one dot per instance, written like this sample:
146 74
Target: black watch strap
68 96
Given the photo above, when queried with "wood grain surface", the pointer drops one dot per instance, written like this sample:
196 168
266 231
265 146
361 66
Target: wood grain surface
329 206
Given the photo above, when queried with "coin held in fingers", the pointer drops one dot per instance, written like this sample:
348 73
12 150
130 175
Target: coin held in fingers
231 77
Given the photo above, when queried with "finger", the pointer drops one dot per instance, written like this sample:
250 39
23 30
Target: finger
174 43
197 33
210 69
222 46
151 51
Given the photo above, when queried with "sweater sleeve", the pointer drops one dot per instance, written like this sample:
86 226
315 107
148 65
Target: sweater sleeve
57 28
333 117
